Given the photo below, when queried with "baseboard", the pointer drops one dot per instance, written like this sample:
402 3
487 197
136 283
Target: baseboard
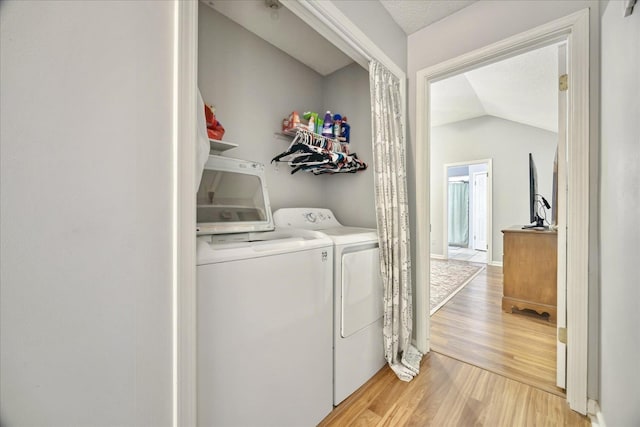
495 264
437 256
595 414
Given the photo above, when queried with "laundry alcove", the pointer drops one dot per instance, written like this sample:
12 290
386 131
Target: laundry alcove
258 64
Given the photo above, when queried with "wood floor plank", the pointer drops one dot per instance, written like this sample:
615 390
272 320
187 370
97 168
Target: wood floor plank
451 392
473 328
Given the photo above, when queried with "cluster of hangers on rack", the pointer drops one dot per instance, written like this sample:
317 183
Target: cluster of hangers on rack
315 153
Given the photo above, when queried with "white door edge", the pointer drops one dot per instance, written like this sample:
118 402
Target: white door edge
561 211
482 244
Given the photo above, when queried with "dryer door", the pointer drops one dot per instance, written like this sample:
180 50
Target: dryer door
362 290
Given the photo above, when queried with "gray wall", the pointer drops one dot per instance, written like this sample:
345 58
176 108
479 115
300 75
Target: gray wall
374 20
85 208
253 85
486 22
351 196
508 144
619 208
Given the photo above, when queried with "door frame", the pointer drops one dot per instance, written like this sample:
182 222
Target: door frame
445 200
329 22
574 30
185 86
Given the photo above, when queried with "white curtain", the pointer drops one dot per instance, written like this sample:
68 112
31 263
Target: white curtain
392 213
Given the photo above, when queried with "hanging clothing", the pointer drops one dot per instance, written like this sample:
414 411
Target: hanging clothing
311 153
392 213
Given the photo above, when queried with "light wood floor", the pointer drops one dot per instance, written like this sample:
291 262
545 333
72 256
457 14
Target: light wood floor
473 328
449 391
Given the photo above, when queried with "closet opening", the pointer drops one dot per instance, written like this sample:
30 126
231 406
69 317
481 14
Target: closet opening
260 66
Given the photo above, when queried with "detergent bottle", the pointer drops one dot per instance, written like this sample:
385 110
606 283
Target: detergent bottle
327 127
337 126
345 132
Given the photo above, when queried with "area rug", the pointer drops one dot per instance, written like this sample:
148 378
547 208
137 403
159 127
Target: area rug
448 277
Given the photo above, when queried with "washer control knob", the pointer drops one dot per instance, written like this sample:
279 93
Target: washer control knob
311 217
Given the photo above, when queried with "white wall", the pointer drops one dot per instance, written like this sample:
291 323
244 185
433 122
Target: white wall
351 196
508 144
619 208
489 21
85 167
374 20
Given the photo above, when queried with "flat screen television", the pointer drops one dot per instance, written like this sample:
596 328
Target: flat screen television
537 203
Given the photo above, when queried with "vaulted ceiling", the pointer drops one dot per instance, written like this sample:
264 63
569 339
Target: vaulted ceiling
523 89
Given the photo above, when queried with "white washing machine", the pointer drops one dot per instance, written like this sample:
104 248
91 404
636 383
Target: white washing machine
265 298
358 351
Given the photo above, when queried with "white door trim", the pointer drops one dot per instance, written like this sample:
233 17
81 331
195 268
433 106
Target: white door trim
185 77
445 199
561 209
574 29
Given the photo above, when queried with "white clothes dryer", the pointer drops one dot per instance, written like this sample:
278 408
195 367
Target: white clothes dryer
358 351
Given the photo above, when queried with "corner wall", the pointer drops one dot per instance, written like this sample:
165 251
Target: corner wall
253 86
351 196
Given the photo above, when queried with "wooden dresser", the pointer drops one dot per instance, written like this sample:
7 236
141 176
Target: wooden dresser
530 265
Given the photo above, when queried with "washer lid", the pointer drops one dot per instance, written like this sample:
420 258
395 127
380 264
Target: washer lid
232 197
213 249
350 235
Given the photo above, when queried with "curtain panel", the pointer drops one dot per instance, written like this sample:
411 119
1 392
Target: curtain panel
392 214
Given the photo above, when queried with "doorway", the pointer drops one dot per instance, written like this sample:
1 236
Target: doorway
467 214
505 131
573 30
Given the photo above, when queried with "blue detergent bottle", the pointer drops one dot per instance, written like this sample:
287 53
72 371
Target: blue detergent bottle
337 126
327 126
345 134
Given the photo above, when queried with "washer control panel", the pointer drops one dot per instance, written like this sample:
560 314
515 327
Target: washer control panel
307 218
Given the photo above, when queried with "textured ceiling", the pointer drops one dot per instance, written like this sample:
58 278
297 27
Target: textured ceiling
412 15
523 89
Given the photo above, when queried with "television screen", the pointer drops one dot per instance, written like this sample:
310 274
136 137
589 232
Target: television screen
537 203
533 190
